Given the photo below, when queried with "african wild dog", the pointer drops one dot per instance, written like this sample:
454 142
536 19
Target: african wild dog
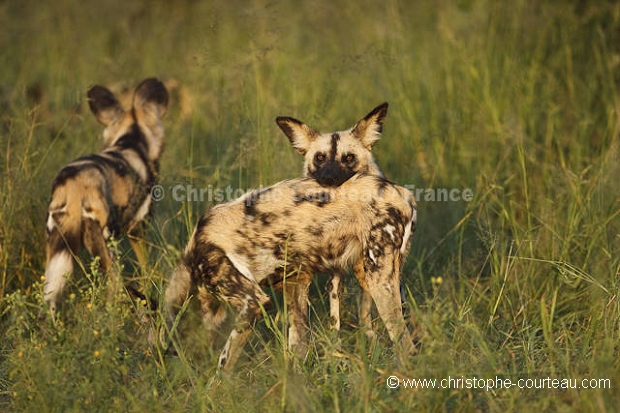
286 233
107 193
331 159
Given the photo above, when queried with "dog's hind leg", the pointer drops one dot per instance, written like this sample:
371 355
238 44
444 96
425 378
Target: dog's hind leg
296 293
251 299
236 340
228 285
213 313
95 240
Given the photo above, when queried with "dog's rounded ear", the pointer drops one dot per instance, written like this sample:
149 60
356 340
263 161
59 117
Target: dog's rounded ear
299 134
104 104
368 130
151 95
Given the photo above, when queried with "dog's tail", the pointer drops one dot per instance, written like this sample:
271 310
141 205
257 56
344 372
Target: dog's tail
175 298
177 291
63 238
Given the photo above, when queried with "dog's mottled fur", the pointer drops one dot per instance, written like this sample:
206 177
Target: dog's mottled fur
107 193
331 159
286 233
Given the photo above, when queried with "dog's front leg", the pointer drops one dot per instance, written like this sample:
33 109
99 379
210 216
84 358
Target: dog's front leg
366 300
383 282
335 294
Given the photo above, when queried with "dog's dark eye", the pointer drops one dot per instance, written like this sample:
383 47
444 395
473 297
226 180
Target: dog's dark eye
319 157
348 158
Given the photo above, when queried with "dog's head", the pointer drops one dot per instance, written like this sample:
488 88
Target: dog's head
332 158
149 105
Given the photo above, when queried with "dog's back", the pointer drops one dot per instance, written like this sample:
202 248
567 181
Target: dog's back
304 224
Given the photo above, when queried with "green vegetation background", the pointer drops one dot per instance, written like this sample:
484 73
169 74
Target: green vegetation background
516 100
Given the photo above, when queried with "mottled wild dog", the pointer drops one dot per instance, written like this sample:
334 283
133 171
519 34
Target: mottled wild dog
331 159
286 233
107 193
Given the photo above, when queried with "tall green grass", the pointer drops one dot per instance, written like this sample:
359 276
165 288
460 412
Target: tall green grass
516 100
